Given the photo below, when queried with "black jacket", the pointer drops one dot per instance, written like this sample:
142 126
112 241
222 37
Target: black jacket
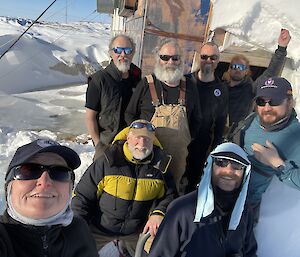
178 235
214 106
116 196
109 94
18 240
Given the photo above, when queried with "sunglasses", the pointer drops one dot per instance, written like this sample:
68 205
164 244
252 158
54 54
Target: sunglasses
166 57
211 57
31 171
139 125
272 102
224 163
238 66
119 50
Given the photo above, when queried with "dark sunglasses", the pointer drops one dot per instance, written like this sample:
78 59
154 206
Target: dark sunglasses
211 57
272 102
119 50
224 163
31 171
166 57
139 125
237 66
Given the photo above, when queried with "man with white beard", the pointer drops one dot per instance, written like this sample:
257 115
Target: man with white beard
169 100
126 191
108 93
213 96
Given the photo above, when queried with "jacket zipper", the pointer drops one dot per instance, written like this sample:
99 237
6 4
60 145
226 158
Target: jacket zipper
45 245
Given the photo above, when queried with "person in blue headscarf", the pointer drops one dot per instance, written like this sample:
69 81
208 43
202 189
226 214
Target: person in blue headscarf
212 220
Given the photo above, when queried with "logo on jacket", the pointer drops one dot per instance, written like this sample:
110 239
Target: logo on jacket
217 92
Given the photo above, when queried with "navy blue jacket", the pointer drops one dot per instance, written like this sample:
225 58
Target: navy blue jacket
179 235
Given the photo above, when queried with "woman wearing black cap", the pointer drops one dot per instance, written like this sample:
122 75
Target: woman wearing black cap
38 220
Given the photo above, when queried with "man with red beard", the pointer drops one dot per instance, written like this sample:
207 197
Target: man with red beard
169 100
109 92
213 96
240 85
271 139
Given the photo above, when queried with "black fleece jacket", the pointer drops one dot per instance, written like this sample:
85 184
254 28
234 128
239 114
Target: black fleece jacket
19 240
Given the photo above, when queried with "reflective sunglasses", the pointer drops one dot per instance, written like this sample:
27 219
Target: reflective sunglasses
224 163
119 50
31 171
166 57
260 101
237 66
139 125
213 57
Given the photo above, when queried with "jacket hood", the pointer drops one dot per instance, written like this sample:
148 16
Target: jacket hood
205 199
122 136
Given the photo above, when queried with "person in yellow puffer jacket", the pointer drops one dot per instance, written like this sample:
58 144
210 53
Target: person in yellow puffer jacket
127 190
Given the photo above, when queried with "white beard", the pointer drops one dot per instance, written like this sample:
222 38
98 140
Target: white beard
140 153
123 66
169 73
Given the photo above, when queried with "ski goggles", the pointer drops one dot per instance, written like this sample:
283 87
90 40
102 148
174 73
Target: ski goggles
140 125
205 57
32 171
224 163
166 57
260 101
238 66
119 50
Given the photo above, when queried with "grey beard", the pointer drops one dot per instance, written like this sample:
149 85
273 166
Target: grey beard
138 154
206 69
168 75
123 67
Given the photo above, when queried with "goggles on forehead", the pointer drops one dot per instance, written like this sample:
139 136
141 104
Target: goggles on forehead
238 66
224 163
139 125
119 50
213 57
260 101
31 171
166 57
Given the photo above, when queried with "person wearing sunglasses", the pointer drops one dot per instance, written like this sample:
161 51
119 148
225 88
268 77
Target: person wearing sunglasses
38 220
213 220
271 137
126 191
240 84
169 100
213 97
108 93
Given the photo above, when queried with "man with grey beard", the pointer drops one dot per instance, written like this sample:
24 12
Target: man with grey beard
108 93
213 96
126 191
169 100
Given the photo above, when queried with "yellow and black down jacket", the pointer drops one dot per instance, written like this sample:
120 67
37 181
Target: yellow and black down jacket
117 195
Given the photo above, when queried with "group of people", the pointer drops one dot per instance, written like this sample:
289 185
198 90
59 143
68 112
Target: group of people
154 139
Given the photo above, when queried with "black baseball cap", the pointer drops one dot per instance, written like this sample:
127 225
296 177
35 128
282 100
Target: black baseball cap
26 152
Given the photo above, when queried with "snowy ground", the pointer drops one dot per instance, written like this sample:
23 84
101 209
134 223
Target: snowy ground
57 55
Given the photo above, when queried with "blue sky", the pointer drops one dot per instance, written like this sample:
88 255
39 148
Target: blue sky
76 10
